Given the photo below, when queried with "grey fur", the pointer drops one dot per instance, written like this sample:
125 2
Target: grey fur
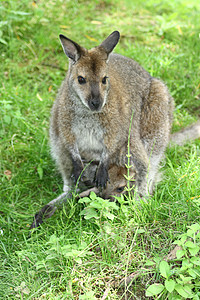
189 133
81 130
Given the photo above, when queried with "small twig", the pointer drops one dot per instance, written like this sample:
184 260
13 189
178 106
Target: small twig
133 276
87 192
105 293
29 260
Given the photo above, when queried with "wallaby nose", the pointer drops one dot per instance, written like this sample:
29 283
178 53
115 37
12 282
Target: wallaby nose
95 104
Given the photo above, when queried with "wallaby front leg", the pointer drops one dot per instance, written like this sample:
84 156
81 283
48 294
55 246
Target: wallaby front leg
102 177
76 163
69 163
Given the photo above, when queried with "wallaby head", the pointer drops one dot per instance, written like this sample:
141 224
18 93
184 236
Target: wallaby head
88 79
117 181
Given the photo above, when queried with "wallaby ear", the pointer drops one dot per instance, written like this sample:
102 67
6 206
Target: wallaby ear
71 49
110 42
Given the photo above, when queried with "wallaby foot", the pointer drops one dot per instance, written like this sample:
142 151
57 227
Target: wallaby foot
46 212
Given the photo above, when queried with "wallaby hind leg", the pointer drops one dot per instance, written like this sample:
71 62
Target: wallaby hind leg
64 163
153 173
155 127
65 169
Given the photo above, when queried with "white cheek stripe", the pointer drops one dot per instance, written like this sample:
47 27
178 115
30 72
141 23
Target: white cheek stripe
83 100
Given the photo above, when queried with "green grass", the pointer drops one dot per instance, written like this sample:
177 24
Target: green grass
70 257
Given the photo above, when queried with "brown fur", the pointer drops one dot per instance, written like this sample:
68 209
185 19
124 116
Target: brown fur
118 183
91 121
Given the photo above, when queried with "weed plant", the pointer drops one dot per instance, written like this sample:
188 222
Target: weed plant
93 249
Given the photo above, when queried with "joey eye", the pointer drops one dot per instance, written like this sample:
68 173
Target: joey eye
81 80
120 189
104 80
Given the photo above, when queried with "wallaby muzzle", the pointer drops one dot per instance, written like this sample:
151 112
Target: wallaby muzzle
95 104
95 100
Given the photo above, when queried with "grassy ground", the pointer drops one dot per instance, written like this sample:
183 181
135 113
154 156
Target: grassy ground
70 257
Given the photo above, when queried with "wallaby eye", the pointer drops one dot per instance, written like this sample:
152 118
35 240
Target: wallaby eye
104 80
81 80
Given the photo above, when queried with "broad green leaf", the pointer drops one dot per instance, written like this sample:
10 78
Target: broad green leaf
180 253
90 216
113 205
195 260
185 279
109 216
164 269
93 196
195 227
184 291
190 233
96 205
84 200
194 251
40 171
177 242
154 289
181 241
183 238
89 213
186 263
170 284
193 273
190 244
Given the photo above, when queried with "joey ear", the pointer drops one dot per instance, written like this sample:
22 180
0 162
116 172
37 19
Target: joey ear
71 49
110 42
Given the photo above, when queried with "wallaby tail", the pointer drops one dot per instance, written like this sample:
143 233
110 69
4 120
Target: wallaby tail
189 133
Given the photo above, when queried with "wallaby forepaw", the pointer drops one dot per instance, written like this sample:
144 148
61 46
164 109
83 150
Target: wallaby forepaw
77 169
101 176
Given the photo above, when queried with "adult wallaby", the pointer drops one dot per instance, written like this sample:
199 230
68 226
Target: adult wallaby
92 114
